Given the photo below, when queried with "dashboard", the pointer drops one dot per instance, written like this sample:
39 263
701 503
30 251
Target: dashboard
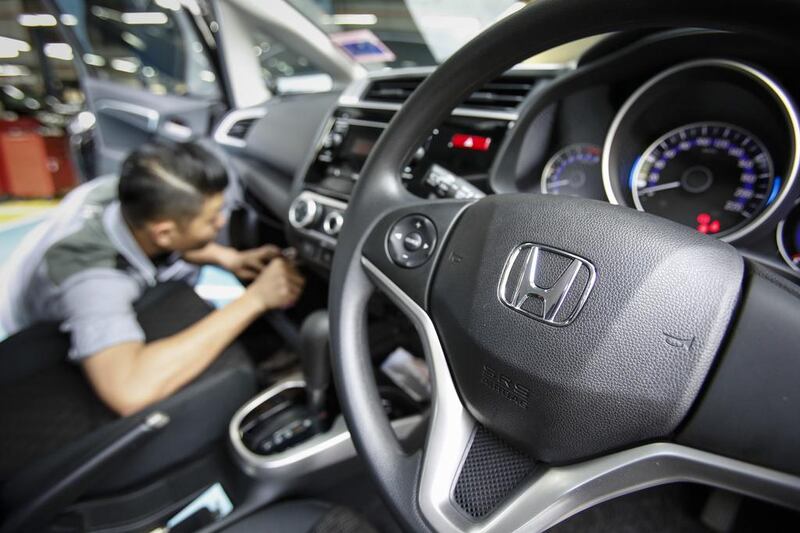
700 128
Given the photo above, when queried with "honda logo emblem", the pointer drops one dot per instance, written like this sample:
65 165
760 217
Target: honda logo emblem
545 283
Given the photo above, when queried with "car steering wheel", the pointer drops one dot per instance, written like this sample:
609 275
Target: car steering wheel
649 354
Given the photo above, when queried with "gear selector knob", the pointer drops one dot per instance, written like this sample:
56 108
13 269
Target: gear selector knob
314 356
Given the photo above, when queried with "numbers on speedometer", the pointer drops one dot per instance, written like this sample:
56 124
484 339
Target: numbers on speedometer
711 176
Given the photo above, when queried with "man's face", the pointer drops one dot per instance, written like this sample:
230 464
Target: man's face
192 234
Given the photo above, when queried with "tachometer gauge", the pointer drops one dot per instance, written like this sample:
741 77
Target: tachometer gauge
711 176
575 171
789 238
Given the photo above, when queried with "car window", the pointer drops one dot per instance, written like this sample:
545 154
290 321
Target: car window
284 70
403 33
37 76
147 44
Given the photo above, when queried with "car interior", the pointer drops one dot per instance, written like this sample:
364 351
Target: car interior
553 273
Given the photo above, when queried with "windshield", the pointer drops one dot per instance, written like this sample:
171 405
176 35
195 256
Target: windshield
403 33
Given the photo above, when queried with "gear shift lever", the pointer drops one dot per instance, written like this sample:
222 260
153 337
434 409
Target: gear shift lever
296 423
315 359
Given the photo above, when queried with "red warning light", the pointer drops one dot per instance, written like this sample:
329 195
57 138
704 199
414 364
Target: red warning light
471 142
705 224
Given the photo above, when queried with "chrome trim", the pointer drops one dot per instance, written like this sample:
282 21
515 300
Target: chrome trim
223 129
333 223
768 82
526 283
779 239
310 216
156 420
321 451
451 425
150 115
367 123
556 493
177 132
458 112
327 202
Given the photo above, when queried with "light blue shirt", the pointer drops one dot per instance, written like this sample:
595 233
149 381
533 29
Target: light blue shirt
83 268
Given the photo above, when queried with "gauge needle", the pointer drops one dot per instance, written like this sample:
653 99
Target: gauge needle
659 187
559 183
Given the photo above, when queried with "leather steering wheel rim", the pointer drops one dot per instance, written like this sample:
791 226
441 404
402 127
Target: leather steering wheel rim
536 28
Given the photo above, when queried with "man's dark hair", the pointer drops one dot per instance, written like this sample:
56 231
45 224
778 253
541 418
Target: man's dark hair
168 180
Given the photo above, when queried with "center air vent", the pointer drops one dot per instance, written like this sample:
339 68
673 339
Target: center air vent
395 90
505 93
240 128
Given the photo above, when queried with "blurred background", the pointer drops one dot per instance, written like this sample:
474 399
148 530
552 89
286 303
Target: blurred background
55 52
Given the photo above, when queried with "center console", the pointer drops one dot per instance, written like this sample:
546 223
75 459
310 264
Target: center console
294 427
292 450
454 162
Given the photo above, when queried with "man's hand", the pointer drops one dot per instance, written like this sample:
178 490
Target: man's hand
278 286
248 264
244 264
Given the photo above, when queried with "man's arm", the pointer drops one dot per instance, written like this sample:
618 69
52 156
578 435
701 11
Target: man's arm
133 375
246 264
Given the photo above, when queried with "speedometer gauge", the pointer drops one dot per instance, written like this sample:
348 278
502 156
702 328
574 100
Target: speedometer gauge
574 171
711 176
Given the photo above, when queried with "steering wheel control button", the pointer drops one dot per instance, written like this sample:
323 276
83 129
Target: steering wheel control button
303 212
411 241
332 223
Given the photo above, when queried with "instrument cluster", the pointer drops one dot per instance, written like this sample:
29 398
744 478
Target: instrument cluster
711 144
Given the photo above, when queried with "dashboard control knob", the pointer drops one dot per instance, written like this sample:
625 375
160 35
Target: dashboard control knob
333 140
333 223
303 212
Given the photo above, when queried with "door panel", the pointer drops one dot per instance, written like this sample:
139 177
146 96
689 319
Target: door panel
127 117
145 73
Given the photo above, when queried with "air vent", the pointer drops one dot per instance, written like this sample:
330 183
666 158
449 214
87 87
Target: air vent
240 128
505 93
395 90
233 129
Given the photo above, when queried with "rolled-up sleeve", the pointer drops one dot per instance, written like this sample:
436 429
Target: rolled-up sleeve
98 306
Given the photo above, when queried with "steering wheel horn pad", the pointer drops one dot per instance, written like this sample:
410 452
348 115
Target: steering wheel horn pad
627 368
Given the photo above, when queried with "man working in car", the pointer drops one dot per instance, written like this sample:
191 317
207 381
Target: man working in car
108 242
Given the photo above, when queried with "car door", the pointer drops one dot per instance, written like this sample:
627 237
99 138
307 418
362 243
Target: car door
145 71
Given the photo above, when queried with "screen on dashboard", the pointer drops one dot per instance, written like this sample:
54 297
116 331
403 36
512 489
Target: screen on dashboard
358 145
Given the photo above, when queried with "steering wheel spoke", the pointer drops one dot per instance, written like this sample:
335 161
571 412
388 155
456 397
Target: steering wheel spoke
552 494
470 480
405 244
